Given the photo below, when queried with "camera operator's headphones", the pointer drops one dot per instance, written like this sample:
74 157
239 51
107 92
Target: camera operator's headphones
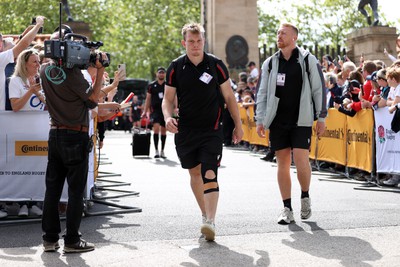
67 29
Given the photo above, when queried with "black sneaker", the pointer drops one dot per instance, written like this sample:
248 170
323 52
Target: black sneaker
163 154
269 157
80 246
50 246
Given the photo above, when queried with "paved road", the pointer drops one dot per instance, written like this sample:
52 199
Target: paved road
348 228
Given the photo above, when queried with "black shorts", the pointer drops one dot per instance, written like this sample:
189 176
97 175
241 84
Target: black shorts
293 137
158 117
194 147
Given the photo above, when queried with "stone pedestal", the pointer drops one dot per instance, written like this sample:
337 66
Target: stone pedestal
80 27
371 41
232 32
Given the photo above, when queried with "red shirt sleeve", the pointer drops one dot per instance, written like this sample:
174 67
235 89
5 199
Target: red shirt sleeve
356 106
367 89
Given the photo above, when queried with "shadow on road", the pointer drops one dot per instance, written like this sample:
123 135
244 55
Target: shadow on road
167 162
350 251
213 254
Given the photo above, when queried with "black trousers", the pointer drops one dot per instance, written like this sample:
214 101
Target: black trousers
67 160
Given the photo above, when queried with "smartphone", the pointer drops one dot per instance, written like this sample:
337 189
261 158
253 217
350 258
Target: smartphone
339 58
122 72
37 80
336 63
34 23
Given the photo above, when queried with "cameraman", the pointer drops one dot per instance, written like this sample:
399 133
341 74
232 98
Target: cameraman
69 145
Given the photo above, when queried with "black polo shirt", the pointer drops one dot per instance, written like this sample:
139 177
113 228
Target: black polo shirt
289 91
199 102
156 91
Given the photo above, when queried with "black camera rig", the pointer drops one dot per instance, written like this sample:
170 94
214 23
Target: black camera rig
74 51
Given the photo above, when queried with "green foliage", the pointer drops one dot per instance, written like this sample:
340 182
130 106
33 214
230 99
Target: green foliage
144 34
329 22
267 26
325 22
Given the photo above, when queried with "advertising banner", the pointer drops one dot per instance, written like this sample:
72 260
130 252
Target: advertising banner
387 143
359 137
23 156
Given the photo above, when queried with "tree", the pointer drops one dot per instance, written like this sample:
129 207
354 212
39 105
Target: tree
325 22
143 34
267 26
329 22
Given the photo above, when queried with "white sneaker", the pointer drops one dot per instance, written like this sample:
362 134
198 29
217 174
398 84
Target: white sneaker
3 214
305 211
163 155
35 211
157 154
286 216
208 230
23 211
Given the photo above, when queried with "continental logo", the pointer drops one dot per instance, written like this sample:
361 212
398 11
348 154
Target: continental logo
31 148
334 133
353 136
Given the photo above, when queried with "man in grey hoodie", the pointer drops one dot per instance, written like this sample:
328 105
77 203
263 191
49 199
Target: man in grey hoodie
290 96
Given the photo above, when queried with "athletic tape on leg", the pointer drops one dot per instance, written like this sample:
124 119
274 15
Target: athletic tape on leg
210 184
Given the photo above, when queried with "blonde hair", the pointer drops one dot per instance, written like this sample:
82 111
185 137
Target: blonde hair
295 29
20 67
393 72
194 28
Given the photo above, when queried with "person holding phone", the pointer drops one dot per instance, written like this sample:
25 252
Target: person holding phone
25 90
8 56
327 63
25 93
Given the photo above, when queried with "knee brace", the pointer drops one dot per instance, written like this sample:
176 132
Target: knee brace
210 184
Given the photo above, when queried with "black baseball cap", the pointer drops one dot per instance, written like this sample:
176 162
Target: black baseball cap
160 69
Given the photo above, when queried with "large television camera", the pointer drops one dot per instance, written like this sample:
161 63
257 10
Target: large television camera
74 51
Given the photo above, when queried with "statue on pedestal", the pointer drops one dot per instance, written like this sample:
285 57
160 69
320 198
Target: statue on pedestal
374 6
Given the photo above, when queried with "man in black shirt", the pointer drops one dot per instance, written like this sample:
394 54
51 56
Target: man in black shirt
202 85
155 95
291 87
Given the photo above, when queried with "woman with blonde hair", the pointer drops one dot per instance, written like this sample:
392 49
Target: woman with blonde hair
25 93
25 90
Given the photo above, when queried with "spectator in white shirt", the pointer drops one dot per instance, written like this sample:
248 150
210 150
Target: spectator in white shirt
253 70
